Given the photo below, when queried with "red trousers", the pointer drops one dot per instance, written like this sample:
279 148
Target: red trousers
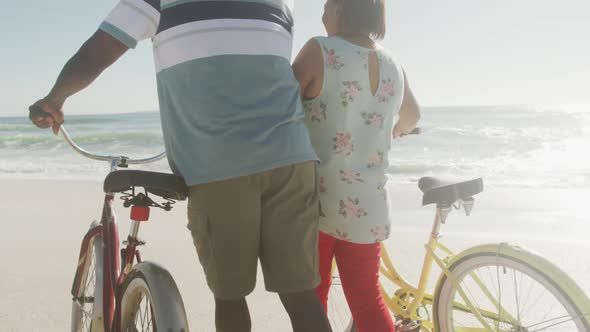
358 266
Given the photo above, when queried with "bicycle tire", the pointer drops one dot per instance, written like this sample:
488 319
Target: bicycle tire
86 305
545 283
150 287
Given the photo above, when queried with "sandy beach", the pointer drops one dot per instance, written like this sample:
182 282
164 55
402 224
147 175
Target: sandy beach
43 222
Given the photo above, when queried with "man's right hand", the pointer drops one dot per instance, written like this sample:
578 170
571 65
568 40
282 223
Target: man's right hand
53 117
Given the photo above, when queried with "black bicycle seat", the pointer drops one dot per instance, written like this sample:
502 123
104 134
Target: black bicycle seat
168 186
447 192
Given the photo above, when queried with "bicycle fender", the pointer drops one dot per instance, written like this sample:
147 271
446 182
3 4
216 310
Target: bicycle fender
533 259
166 299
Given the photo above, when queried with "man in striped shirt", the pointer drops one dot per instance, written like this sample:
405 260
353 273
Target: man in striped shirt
233 128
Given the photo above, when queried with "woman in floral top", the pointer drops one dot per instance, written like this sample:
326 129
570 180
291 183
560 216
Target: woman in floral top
356 100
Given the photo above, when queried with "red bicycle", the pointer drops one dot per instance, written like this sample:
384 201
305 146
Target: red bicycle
114 289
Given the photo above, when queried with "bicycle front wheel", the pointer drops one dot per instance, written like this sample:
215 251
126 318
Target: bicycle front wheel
513 291
151 301
86 305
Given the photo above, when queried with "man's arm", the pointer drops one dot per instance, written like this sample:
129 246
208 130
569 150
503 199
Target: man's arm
99 52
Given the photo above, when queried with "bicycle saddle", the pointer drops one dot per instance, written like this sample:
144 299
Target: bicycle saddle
445 192
165 185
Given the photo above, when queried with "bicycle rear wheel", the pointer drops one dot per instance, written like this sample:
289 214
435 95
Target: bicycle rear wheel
512 293
151 301
86 310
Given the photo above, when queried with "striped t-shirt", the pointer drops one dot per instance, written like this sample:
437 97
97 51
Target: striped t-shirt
229 101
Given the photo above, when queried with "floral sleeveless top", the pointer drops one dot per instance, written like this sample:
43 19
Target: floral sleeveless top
351 130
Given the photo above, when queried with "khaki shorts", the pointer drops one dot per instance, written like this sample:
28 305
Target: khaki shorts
271 216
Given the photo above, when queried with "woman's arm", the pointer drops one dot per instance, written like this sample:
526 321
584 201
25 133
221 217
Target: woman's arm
409 113
309 69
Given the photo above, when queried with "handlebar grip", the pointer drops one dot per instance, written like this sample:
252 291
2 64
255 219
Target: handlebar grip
36 111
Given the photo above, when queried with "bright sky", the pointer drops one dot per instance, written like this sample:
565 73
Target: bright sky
455 52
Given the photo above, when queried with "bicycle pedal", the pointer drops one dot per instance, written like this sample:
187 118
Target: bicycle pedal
408 325
137 243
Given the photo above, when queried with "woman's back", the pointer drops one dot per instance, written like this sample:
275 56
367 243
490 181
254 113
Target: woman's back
350 125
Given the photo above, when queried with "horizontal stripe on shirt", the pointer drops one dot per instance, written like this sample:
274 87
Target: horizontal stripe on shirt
286 6
210 10
203 39
136 18
118 34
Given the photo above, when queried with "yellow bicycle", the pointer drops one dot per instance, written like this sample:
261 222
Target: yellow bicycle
493 287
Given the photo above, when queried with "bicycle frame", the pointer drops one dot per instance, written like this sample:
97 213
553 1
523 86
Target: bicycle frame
115 267
407 299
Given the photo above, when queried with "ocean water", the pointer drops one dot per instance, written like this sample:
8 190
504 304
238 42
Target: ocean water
507 146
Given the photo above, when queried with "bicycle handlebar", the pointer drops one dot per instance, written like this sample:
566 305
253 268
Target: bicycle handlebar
38 112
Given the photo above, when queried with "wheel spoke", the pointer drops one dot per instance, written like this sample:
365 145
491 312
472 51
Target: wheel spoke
510 296
85 297
516 296
146 315
141 312
561 320
499 297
